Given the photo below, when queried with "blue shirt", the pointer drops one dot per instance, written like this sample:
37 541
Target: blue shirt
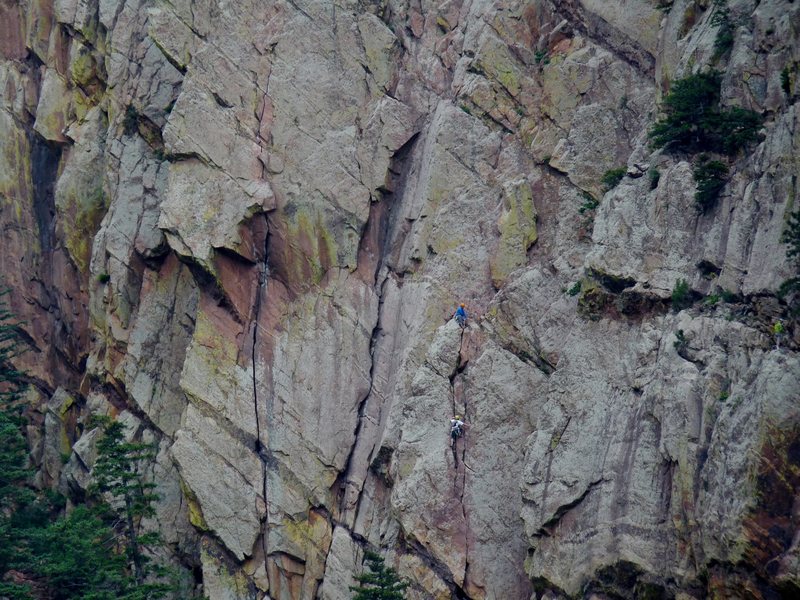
461 312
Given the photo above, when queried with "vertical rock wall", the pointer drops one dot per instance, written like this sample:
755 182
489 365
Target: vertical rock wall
243 228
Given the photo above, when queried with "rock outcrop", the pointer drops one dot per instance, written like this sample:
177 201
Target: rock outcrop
243 228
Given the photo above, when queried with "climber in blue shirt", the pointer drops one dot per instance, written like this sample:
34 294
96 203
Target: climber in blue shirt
461 316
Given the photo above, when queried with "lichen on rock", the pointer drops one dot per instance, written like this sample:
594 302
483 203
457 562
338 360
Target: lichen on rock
244 228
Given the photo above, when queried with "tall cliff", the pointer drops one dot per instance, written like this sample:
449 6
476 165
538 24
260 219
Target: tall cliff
242 227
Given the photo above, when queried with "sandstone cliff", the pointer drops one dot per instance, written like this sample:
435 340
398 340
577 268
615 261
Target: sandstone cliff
243 228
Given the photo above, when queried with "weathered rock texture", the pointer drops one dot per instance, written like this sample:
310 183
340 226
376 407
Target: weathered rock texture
243 227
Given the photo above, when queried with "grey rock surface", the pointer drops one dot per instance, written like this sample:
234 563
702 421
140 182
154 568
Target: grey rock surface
243 228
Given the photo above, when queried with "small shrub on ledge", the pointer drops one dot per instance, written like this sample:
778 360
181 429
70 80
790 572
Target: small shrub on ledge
681 295
654 176
710 176
612 177
725 25
589 203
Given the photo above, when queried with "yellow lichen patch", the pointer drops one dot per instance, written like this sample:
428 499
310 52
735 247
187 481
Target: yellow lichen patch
15 169
195 511
81 105
220 581
405 466
217 349
310 535
85 75
498 64
299 532
83 68
379 49
425 577
311 250
69 402
564 82
86 210
518 231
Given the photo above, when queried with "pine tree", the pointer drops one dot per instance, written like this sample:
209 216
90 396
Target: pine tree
686 107
791 235
11 380
693 120
116 472
15 497
383 582
75 556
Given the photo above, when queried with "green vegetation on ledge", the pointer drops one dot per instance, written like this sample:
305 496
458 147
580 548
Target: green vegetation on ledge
711 176
722 20
382 581
694 122
681 295
612 177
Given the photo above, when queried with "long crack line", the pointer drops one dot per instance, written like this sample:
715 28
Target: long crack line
464 464
260 450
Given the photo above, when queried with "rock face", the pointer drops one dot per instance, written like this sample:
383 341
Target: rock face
243 227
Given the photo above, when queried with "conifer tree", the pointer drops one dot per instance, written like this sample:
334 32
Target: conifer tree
117 472
75 556
14 496
382 581
693 120
791 235
11 380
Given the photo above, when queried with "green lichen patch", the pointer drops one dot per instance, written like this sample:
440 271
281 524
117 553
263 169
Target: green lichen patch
518 232
497 64
195 510
309 246
87 211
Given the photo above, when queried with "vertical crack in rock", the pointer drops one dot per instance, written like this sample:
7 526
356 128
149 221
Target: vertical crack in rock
454 411
362 406
460 369
362 413
262 452
554 441
460 469
374 258
263 277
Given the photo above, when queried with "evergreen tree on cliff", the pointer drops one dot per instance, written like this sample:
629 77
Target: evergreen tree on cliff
383 582
117 473
75 556
15 497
